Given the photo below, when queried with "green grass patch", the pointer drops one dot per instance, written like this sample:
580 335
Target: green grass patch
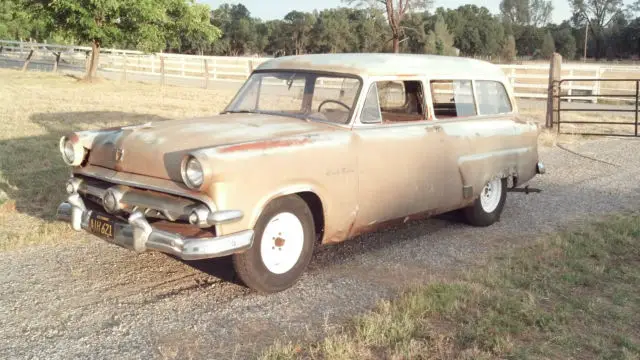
572 295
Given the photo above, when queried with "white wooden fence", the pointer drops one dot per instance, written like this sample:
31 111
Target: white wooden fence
528 80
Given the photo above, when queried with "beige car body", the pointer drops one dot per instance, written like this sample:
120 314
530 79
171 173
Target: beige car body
355 177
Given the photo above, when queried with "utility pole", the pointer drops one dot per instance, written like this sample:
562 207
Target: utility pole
586 36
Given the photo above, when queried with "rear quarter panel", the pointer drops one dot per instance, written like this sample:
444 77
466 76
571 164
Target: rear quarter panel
497 146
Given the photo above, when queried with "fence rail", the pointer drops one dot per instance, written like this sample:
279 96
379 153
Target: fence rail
528 80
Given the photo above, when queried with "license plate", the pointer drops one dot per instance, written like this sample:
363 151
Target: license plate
101 225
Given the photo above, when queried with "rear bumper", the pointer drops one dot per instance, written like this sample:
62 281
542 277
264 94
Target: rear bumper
138 235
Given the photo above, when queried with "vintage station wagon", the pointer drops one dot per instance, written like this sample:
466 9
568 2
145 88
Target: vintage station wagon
312 149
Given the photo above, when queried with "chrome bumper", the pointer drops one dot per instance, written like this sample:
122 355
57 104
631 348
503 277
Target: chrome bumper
540 169
138 235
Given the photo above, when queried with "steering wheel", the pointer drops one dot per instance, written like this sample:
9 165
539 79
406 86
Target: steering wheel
335 102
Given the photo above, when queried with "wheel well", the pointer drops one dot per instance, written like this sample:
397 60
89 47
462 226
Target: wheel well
315 205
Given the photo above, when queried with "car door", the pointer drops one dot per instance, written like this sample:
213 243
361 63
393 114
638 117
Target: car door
403 166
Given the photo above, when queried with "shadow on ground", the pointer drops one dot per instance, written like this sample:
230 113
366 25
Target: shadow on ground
32 172
325 257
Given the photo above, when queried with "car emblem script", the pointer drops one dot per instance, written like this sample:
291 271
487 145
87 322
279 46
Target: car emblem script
119 154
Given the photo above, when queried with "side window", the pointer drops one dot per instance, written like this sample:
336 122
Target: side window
395 101
492 98
371 110
392 94
452 98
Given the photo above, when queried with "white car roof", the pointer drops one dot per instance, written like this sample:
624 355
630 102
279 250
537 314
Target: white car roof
431 66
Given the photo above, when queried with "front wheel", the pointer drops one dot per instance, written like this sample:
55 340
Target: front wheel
487 208
283 243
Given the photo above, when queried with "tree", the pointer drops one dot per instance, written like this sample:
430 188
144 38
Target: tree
19 19
548 46
143 24
396 11
597 14
509 52
475 30
440 40
564 40
188 28
540 12
527 12
240 35
332 32
299 25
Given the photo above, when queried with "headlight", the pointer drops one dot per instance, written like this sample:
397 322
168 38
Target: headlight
68 152
72 153
192 173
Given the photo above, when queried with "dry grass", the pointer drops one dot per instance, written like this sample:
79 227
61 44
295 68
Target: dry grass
572 295
37 108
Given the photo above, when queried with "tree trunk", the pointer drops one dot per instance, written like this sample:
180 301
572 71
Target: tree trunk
93 63
396 43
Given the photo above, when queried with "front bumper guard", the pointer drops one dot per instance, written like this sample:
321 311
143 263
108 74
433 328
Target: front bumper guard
138 235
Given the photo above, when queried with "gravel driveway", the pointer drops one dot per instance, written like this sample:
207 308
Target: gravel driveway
94 300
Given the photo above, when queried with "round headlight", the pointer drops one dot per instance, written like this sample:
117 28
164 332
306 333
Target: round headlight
73 153
192 173
69 152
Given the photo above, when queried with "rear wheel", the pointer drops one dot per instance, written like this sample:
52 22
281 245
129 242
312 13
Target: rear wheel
487 208
282 246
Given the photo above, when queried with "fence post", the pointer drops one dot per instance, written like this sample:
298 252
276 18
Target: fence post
21 48
124 66
162 70
555 75
637 105
206 74
27 61
56 61
597 85
250 68
513 78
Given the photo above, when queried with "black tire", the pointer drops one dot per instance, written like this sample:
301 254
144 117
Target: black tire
477 215
250 266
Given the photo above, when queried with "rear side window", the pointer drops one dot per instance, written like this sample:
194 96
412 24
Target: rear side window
452 98
492 98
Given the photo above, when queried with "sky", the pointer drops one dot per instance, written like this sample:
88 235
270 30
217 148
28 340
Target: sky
277 9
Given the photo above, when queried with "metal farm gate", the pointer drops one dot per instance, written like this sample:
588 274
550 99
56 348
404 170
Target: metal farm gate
615 113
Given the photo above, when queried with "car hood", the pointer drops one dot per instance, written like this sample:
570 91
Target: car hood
157 149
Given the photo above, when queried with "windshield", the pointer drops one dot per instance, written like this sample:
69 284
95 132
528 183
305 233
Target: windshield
306 95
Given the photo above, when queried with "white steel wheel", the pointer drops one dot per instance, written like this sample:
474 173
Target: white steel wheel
282 242
490 195
284 237
487 208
